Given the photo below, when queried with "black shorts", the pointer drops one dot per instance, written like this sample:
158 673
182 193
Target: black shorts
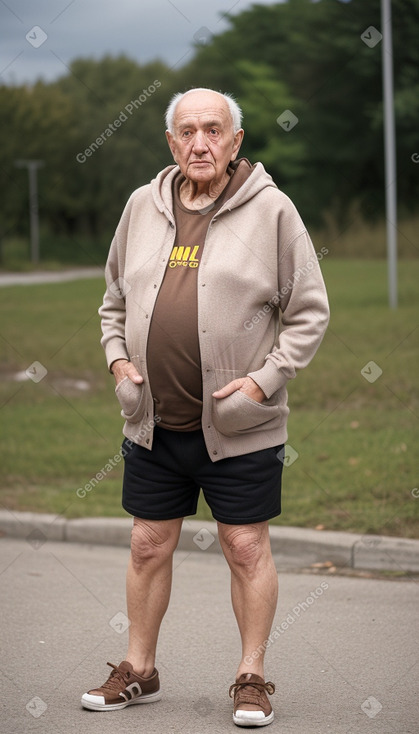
164 483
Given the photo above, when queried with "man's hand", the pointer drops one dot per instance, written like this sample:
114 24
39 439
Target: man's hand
122 368
244 384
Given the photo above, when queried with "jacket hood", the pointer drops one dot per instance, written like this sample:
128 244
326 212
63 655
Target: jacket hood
162 187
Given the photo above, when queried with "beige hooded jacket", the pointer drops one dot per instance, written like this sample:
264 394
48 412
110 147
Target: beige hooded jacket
262 308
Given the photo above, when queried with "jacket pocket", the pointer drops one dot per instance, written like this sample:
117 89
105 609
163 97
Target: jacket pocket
238 413
131 399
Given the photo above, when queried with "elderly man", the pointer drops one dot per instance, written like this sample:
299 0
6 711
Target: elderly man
214 299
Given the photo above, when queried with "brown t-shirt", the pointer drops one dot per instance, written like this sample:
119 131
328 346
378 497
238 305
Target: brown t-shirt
176 380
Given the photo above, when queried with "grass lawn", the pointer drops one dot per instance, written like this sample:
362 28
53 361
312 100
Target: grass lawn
356 439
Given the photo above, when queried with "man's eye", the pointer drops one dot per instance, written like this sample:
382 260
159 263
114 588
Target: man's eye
213 131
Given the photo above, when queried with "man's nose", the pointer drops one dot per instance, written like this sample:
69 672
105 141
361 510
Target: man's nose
200 142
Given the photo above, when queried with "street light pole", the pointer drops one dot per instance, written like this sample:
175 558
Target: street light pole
32 166
390 151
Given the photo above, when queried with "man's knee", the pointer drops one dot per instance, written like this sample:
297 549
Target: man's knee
244 545
152 541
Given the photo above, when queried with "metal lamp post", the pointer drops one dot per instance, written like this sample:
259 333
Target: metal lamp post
32 166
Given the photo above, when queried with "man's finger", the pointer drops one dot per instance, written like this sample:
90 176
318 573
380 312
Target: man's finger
136 377
230 388
133 375
126 369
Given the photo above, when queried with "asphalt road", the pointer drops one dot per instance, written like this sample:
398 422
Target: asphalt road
49 276
344 658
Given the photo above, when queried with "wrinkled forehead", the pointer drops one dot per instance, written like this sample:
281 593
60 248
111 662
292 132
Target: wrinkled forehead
199 109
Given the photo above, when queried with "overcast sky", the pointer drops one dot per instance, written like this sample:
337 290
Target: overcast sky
39 38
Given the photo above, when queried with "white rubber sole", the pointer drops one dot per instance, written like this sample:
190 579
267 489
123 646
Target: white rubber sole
249 721
88 703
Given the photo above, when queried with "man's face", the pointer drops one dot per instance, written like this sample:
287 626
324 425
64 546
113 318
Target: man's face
203 142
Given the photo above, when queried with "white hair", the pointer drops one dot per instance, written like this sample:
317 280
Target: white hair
235 111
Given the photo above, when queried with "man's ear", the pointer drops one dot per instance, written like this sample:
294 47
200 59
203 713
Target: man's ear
171 144
238 138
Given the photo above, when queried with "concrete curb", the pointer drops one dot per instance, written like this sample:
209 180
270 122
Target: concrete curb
300 547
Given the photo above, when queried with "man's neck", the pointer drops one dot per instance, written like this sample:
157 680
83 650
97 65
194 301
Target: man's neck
196 195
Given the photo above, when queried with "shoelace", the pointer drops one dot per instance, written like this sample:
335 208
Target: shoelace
116 678
251 696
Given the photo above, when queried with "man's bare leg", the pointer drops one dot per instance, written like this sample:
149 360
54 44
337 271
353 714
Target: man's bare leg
149 581
254 588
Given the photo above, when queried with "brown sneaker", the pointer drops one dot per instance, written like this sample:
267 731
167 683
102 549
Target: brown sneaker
251 705
122 688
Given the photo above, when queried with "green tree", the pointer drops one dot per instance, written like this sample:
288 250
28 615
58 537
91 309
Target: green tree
316 51
306 57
